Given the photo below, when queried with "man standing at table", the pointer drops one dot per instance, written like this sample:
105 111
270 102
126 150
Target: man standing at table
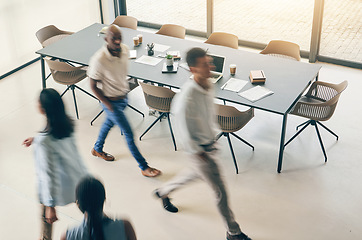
196 128
107 72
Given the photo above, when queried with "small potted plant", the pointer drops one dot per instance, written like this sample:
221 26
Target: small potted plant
150 47
169 60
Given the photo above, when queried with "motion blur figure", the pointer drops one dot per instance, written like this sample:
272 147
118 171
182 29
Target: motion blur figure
194 115
58 164
96 225
108 69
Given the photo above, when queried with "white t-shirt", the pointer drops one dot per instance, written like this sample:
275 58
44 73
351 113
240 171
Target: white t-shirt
110 71
194 117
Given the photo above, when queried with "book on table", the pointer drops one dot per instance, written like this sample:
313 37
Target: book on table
257 76
234 85
256 93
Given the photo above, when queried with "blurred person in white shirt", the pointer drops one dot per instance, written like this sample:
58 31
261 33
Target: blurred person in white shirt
196 127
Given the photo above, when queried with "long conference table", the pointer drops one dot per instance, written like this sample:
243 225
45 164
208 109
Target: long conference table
288 79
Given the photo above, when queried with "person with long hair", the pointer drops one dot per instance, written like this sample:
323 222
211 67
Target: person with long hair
90 195
58 164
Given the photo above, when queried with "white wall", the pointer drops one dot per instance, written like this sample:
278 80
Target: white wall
20 19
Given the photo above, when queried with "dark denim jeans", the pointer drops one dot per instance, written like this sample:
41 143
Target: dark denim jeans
117 117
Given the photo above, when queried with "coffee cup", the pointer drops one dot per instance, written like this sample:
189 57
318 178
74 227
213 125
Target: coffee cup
140 38
232 69
136 41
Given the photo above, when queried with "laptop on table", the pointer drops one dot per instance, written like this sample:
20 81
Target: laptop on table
219 62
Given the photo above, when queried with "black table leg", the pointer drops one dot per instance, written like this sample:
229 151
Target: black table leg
43 78
282 139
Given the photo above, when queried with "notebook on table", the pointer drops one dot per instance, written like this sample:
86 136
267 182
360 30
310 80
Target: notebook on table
219 62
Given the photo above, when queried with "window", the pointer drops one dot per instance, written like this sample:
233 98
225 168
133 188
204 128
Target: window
342 30
190 14
264 20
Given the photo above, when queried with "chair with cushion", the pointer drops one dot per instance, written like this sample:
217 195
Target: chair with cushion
172 30
279 48
68 75
126 21
223 39
232 120
50 34
159 99
318 105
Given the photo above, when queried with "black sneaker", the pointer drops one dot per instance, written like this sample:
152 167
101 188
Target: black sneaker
166 203
241 236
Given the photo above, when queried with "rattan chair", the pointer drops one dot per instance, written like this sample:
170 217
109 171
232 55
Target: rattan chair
159 99
172 30
318 105
223 39
126 21
133 83
48 32
284 49
68 75
232 120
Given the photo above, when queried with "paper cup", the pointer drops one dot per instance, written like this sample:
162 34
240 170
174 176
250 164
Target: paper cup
232 69
136 41
140 37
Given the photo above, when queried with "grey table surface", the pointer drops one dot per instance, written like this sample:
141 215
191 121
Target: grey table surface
286 78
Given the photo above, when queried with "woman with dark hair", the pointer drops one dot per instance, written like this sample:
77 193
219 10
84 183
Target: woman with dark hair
58 164
90 195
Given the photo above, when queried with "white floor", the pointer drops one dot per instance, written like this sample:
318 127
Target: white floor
308 200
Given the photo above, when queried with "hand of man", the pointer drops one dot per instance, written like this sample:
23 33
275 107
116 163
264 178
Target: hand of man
108 105
50 215
27 142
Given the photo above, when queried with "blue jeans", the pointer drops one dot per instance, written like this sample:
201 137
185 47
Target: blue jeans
117 117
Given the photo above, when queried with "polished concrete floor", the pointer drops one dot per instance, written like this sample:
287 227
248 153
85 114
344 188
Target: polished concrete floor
310 199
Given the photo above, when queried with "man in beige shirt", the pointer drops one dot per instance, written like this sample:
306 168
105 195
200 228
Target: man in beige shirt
107 72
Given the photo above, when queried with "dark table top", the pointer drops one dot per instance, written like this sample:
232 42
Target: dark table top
286 78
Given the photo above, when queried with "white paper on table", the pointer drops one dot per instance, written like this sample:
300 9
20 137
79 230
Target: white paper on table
148 60
256 93
132 54
234 85
160 47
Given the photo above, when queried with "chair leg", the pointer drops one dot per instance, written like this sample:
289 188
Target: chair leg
329 130
48 76
243 140
301 130
169 124
89 94
321 143
61 95
136 110
151 125
232 153
301 125
219 135
75 101
96 117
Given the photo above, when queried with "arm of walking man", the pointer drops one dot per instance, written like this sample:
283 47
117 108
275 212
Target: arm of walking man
98 92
